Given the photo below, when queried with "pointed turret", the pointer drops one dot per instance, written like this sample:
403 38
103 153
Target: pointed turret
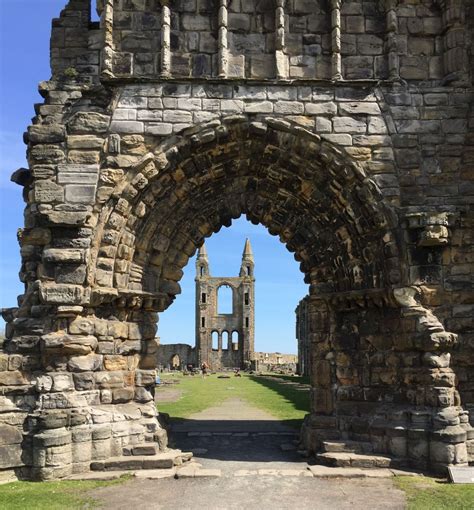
247 266
202 252
247 250
202 262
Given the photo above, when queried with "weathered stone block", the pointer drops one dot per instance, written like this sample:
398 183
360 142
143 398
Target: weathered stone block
84 381
63 256
349 125
122 395
62 382
88 122
10 456
108 380
53 437
145 377
90 362
13 378
115 362
90 142
47 192
49 133
10 435
80 193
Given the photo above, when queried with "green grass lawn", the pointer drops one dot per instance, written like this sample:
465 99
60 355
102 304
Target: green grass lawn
280 400
51 495
431 494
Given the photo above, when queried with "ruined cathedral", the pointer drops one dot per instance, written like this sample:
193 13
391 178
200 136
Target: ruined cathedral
345 127
223 340
238 327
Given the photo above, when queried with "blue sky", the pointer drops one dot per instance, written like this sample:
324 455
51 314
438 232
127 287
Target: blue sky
24 61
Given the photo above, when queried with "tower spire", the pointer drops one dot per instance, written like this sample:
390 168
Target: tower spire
202 252
247 266
247 253
202 262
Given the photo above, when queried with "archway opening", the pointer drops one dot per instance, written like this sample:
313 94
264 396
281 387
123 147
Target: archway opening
225 340
225 297
215 340
235 340
175 362
247 398
310 194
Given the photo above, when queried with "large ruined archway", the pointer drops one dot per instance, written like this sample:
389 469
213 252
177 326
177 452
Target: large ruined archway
366 384
378 356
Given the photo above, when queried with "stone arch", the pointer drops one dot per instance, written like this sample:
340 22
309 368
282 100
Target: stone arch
235 339
226 341
378 360
215 339
225 292
175 361
303 189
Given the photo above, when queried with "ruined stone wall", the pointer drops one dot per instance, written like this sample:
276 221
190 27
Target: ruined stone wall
166 352
303 337
133 162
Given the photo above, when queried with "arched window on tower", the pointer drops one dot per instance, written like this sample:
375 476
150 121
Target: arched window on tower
249 271
225 300
235 340
215 340
202 271
226 340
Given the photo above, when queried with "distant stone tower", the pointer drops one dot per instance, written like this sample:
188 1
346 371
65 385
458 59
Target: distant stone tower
225 340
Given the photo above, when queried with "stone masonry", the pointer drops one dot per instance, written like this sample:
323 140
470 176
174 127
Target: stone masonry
345 127
303 337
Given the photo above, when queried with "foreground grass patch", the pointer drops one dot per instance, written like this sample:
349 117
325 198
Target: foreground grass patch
51 495
430 494
280 400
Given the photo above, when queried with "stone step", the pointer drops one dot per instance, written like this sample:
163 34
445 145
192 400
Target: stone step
164 460
345 459
140 449
346 447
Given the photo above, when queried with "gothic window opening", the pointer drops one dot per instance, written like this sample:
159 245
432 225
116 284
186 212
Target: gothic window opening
203 322
226 340
175 362
235 340
203 297
225 300
215 340
246 298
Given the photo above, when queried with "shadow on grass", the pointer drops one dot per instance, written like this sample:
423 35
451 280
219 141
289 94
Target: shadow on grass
301 379
298 398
